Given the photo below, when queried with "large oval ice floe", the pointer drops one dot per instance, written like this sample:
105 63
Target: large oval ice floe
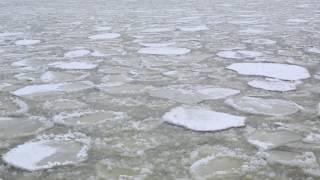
47 89
88 117
73 65
49 151
104 36
273 85
15 127
202 119
239 54
272 139
273 70
271 107
164 50
77 53
26 42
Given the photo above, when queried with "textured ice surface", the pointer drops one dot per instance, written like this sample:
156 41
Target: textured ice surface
27 42
240 54
164 50
273 85
279 71
193 28
23 126
77 53
49 151
57 76
272 107
105 36
200 119
73 65
272 139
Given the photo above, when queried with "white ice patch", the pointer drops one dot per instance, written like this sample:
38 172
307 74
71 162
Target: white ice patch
239 54
103 28
193 28
77 53
273 85
7 34
273 70
56 76
88 117
164 51
261 41
48 151
45 89
158 30
271 107
272 139
73 65
157 45
27 42
200 119
315 50
312 138
104 36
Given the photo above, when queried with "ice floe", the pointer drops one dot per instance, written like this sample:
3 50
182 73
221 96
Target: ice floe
164 50
16 127
261 41
158 30
27 42
201 119
312 138
88 117
77 53
49 151
315 50
6 34
57 76
10 106
239 54
73 65
193 28
157 45
63 105
263 106
105 36
274 85
47 89
103 28
273 70
272 139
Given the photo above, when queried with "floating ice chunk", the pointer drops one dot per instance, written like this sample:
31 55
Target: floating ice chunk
63 104
157 45
12 107
271 107
306 160
98 54
213 167
27 42
88 117
158 30
56 76
297 21
273 85
73 65
312 138
240 54
77 53
251 31
6 34
315 50
11 127
45 89
178 95
273 70
272 139
105 36
210 93
262 41
103 28
164 51
193 28
49 151
200 119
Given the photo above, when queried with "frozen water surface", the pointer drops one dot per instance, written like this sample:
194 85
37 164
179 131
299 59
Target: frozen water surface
165 89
